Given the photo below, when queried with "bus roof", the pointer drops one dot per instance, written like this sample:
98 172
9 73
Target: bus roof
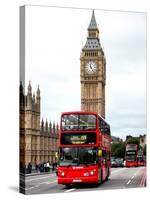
79 112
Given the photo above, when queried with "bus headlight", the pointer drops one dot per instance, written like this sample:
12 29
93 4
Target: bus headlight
62 173
91 172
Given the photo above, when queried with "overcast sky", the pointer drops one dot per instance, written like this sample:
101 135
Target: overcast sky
54 39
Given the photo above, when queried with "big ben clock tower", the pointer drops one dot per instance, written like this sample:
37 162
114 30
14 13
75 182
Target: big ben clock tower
93 72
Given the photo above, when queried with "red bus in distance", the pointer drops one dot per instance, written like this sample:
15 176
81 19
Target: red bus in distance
140 158
131 155
84 148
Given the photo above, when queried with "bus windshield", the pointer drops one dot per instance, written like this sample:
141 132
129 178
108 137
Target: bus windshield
131 147
131 155
77 156
78 122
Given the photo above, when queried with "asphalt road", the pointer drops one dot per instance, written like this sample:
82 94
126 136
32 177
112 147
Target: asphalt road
120 178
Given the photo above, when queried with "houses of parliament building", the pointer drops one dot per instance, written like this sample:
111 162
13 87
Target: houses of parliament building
38 140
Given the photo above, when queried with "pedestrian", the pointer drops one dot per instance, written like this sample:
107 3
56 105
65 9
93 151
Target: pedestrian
29 168
47 166
37 167
50 166
53 166
40 167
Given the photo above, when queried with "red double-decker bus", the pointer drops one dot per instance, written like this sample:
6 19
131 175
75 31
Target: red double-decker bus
84 148
131 155
140 158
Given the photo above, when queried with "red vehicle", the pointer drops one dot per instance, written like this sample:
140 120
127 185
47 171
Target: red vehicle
131 155
140 158
84 148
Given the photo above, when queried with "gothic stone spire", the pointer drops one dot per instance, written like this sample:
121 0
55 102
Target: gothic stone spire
93 42
38 92
93 24
29 88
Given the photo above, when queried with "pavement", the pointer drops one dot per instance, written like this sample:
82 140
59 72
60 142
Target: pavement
37 173
121 178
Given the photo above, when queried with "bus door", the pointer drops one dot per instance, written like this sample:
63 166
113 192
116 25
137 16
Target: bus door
105 164
99 164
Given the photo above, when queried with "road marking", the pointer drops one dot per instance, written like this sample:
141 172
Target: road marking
132 177
47 182
31 188
70 190
128 182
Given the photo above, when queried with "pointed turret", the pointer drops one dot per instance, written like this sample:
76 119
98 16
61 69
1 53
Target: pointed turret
38 95
29 89
21 88
57 129
38 92
54 128
92 42
33 99
50 128
22 98
93 24
29 97
38 98
42 125
46 126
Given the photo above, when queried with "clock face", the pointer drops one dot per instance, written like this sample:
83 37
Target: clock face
91 67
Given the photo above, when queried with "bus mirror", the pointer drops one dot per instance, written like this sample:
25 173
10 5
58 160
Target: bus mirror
99 153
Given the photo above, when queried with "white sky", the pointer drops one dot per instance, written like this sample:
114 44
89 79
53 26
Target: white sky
54 39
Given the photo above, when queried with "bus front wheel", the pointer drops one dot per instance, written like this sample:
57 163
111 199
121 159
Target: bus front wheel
67 185
101 176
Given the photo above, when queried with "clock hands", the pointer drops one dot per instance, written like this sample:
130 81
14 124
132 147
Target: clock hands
91 68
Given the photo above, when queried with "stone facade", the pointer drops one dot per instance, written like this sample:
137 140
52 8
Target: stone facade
38 140
142 141
93 72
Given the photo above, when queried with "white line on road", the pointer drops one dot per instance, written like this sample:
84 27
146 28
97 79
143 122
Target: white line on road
47 182
70 190
132 177
128 182
30 188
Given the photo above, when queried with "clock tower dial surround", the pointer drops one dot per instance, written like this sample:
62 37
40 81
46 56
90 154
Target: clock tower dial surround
91 67
93 72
